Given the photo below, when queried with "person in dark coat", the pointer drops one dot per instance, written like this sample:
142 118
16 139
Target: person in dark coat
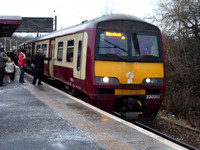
38 62
3 60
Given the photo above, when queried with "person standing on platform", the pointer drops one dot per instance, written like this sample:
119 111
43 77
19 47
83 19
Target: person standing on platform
9 69
21 63
13 55
3 60
38 62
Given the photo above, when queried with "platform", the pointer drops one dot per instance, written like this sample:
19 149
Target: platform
44 118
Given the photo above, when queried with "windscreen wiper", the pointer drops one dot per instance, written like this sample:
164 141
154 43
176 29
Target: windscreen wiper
115 46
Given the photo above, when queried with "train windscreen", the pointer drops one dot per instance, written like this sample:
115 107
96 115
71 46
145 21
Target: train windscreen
126 43
113 43
142 45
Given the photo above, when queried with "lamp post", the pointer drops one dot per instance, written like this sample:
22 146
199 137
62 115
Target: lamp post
55 21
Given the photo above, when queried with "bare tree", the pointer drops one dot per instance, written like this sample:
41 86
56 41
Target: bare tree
180 23
179 17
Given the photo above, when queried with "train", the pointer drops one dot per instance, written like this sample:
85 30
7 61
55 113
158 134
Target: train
116 61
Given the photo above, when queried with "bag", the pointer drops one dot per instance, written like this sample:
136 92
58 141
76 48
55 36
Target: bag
9 67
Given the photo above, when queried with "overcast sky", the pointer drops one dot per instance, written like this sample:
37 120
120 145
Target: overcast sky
72 12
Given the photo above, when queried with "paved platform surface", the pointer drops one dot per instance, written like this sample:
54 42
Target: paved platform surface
43 118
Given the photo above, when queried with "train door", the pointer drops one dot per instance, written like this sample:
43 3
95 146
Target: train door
80 60
51 63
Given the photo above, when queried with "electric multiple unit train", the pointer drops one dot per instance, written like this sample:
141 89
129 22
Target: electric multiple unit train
116 61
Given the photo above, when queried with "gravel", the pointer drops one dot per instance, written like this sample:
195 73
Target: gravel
175 128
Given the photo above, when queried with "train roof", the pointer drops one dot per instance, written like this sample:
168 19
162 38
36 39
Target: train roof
86 24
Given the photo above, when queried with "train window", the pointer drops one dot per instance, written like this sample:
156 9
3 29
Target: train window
44 47
143 45
37 47
113 43
70 51
79 55
60 51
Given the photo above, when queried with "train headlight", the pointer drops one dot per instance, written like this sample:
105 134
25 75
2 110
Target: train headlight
107 80
153 81
148 80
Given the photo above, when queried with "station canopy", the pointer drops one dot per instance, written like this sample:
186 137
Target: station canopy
8 25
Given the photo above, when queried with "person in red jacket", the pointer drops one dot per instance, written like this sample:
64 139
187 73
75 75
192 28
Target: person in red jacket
22 61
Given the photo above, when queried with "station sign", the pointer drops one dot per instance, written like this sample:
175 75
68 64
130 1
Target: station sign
33 24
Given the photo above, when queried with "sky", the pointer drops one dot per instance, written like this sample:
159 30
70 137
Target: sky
72 12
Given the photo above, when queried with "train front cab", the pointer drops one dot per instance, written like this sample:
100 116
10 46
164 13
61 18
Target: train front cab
129 68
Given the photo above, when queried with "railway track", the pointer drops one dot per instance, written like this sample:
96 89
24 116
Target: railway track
187 146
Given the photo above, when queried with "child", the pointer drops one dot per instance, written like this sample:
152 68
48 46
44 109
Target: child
9 69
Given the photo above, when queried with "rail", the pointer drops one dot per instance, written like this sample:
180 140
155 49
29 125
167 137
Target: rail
165 136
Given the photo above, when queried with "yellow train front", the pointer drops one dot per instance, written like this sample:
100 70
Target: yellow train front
129 73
